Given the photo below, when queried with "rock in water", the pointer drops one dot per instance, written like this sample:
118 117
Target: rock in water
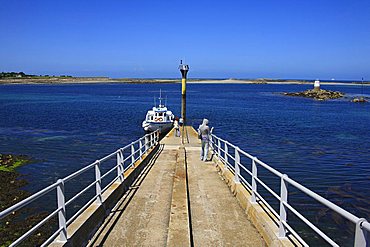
359 100
317 94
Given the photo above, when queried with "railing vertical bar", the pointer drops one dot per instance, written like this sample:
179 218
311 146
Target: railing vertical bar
119 165
98 182
146 143
219 149
226 155
132 154
62 212
237 168
141 149
362 237
211 144
283 211
254 183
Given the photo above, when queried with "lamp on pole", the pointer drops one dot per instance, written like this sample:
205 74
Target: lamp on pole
184 68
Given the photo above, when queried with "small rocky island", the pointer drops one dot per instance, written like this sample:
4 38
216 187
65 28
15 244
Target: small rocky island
359 100
317 93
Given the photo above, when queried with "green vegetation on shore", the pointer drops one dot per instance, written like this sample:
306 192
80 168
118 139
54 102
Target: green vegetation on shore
13 75
9 162
11 192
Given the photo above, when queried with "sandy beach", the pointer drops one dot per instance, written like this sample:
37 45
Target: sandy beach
89 80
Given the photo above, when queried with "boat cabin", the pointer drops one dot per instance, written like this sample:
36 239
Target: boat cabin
159 115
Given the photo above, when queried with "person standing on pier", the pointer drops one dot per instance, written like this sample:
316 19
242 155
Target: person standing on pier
204 136
176 127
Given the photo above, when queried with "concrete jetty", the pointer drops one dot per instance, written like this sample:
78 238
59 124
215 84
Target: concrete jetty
161 194
178 200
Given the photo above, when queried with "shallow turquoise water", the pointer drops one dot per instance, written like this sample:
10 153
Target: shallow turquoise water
323 145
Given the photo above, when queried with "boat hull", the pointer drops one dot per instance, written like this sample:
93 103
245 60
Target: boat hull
162 127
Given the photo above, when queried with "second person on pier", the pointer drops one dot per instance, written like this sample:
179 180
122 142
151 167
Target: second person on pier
176 127
204 135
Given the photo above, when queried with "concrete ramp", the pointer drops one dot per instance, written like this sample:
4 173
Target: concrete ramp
178 200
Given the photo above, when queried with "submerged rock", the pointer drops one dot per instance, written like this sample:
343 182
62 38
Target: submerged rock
12 192
359 100
9 162
317 94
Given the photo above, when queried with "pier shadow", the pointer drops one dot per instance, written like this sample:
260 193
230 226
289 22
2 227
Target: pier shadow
115 214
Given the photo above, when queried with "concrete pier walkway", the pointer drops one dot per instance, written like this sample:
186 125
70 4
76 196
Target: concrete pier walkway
178 200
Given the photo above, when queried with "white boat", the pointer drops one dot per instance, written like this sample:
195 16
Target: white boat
159 117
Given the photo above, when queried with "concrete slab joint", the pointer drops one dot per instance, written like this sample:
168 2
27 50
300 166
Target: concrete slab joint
179 229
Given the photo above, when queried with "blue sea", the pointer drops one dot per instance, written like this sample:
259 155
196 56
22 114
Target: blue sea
322 145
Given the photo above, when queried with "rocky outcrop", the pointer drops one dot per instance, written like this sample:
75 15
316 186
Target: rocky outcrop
317 94
12 192
8 162
359 100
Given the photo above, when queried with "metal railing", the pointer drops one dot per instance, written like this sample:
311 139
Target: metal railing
136 151
221 149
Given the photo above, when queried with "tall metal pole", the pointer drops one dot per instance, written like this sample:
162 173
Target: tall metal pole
184 68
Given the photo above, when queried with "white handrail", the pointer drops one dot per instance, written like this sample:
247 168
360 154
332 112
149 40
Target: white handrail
154 140
361 237
27 201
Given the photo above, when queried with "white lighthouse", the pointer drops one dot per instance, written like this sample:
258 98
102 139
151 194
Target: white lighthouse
316 85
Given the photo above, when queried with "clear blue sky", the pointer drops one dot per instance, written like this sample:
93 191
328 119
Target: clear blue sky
240 39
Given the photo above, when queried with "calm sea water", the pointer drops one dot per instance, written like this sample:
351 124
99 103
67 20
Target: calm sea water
323 145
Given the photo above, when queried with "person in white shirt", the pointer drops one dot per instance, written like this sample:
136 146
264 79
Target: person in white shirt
177 127
204 135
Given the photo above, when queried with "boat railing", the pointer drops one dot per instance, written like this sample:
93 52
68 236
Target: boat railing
136 151
229 155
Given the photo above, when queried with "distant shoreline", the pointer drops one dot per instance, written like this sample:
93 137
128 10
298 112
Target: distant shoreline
90 80
277 82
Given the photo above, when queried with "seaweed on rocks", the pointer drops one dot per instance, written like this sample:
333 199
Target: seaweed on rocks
19 222
9 162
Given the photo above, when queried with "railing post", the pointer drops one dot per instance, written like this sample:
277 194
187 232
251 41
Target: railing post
211 144
219 149
146 143
62 211
157 141
226 155
132 154
283 198
254 182
141 149
237 168
98 182
120 165
362 238
151 140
